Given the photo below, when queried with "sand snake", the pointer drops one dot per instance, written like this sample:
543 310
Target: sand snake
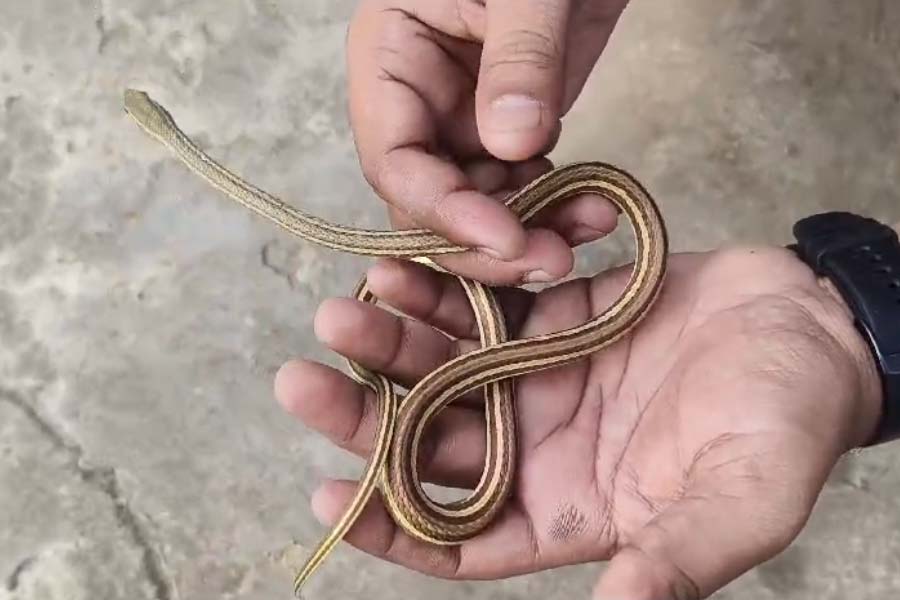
392 466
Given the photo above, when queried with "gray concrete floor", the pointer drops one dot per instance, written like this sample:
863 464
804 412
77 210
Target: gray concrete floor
142 317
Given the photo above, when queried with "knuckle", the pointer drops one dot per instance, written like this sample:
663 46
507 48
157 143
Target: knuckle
469 17
386 34
523 47
349 435
398 29
394 32
399 347
380 173
443 211
372 170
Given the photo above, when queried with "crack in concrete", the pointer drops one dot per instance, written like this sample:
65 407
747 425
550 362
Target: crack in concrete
271 263
106 481
12 582
100 24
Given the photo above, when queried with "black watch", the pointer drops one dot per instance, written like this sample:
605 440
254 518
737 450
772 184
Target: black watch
862 258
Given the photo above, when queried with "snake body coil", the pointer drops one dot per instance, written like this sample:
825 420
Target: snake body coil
401 427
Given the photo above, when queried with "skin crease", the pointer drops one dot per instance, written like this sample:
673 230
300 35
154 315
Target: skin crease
695 448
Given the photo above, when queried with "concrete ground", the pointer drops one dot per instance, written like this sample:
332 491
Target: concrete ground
142 316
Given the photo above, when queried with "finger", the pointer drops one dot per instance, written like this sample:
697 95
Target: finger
493 177
521 80
547 258
498 552
523 173
399 80
580 220
741 507
438 299
376 533
489 176
461 20
403 349
583 219
345 412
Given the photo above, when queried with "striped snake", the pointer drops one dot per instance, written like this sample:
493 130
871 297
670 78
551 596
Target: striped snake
392 466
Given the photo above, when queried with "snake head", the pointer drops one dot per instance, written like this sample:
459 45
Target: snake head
152 117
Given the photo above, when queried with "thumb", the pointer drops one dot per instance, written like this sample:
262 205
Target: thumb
522 77
724 525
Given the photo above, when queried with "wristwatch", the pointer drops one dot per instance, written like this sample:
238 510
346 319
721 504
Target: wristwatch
861 257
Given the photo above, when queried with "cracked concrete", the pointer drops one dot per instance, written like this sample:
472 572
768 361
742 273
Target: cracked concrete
72 492
105 480
142 318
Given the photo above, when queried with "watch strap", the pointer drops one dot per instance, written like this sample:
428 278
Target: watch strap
862 258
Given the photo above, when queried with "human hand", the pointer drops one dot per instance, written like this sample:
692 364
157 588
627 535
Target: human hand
686 454
455 103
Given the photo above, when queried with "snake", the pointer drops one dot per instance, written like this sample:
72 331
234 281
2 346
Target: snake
393 465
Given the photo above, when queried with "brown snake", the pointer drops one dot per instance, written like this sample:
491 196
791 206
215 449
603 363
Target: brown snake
393 464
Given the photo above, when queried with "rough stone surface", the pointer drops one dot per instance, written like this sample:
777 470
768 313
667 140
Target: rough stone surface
142 317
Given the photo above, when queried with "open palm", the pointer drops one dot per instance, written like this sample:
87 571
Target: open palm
687 453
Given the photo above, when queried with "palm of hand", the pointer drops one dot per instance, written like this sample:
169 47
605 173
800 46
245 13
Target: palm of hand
717 420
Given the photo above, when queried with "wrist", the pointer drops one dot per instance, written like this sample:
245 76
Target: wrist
869 402
856 258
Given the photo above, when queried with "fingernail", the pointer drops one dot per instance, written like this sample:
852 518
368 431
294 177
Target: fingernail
514 112
538 276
